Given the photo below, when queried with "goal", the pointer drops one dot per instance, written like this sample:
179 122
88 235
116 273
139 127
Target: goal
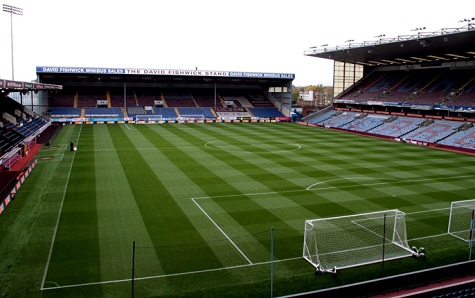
461 219
356 240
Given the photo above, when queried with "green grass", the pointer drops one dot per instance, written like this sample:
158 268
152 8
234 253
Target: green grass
200 200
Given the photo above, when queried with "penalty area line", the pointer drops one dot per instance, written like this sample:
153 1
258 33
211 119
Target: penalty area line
387 181
126 125
222 232
166 275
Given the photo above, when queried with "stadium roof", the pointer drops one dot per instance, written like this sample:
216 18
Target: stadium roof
61 75
447 45
7 86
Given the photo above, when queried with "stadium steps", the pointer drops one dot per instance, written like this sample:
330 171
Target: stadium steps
347 122
124 111
75 100
441 139
399 136
390 119
108 97
465 126
250 113
136 99
369 130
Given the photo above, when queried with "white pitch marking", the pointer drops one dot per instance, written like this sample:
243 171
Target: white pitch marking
126 125
223 148
193 272
222 232
381 183
59 216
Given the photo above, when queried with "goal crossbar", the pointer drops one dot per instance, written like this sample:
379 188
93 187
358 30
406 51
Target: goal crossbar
461 219
356 240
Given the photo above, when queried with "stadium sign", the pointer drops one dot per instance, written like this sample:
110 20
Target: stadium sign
17 85
163 72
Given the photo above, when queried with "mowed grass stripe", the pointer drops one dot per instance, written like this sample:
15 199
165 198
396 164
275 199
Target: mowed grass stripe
438 165
77 235
308 160
367 192
290 163
119 219
280 165
242 160
254 217
195 165
340 201
182 189
167 225
28 224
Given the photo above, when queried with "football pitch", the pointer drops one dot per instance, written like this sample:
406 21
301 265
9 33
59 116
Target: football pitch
197 209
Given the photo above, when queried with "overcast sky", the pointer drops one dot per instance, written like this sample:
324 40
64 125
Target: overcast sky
244 35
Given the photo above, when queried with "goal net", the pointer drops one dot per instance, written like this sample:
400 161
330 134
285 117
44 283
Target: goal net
144 119
192 118
461 219
356 240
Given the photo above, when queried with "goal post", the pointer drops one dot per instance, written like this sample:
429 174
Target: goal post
356 240
461 219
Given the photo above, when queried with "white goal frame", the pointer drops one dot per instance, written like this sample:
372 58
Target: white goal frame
461 220
355 240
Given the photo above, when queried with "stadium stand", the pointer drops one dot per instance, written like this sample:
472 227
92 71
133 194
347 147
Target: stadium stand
463 139
64 112
433 130
365 122
207 101
398 126
340 118
61 100
418 87
412 85
321 116
89 97
464 96
265 112
167 113
440 88
117 98
134 111
379 85
178 99
259 101
450 133
147 96
20 128
104 112
169 103
233 100
206 112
